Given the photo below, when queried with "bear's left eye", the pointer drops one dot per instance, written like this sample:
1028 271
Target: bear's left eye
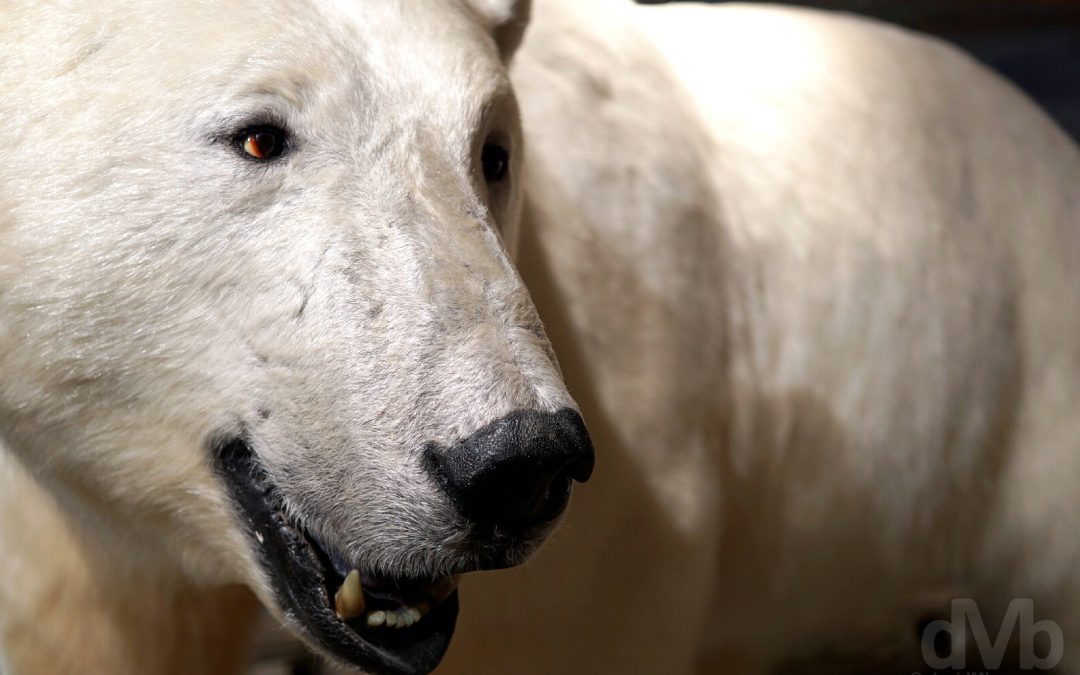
262 143
496 161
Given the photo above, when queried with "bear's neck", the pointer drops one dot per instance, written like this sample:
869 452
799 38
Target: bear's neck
68 606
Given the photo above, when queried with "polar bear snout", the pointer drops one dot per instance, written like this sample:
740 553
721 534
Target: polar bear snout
515 473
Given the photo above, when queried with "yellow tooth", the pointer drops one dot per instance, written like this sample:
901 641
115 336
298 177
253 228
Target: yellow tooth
349 600
441 589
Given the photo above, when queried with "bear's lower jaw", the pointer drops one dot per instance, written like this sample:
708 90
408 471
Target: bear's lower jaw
374 626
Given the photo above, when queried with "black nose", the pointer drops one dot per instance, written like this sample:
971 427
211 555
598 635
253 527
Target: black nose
516 471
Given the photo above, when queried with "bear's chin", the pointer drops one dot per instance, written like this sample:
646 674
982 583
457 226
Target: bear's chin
304 575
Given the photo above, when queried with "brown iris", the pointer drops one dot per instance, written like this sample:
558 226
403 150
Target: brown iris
263 143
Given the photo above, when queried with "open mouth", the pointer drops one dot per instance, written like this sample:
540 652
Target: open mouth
382 624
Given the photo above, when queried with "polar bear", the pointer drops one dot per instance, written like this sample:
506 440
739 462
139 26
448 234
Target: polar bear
811 281
263 331
815 282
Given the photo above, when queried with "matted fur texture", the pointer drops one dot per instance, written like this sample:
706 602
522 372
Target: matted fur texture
813 281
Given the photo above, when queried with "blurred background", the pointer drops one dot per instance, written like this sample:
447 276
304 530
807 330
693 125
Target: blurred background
1035 43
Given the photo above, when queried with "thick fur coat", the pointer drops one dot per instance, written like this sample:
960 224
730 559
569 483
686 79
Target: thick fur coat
811 280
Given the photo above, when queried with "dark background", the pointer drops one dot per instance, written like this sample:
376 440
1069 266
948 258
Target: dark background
1036 43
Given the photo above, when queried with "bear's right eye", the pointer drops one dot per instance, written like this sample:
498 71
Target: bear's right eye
262 143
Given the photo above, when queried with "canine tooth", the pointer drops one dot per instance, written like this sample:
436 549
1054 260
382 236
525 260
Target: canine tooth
414 615
375 619
349 600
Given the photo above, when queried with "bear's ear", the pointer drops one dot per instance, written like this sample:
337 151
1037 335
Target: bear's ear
506 19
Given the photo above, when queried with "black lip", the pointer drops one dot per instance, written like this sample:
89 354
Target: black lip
296 576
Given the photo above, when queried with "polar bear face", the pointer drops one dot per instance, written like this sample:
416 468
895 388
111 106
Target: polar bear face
256 315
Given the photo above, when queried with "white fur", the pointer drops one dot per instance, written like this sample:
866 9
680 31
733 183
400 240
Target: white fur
811 279
814 283
342 307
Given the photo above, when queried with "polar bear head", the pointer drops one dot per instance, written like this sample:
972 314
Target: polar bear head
256 313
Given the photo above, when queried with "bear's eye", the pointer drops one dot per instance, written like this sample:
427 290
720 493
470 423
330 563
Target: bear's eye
262 143
496 160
